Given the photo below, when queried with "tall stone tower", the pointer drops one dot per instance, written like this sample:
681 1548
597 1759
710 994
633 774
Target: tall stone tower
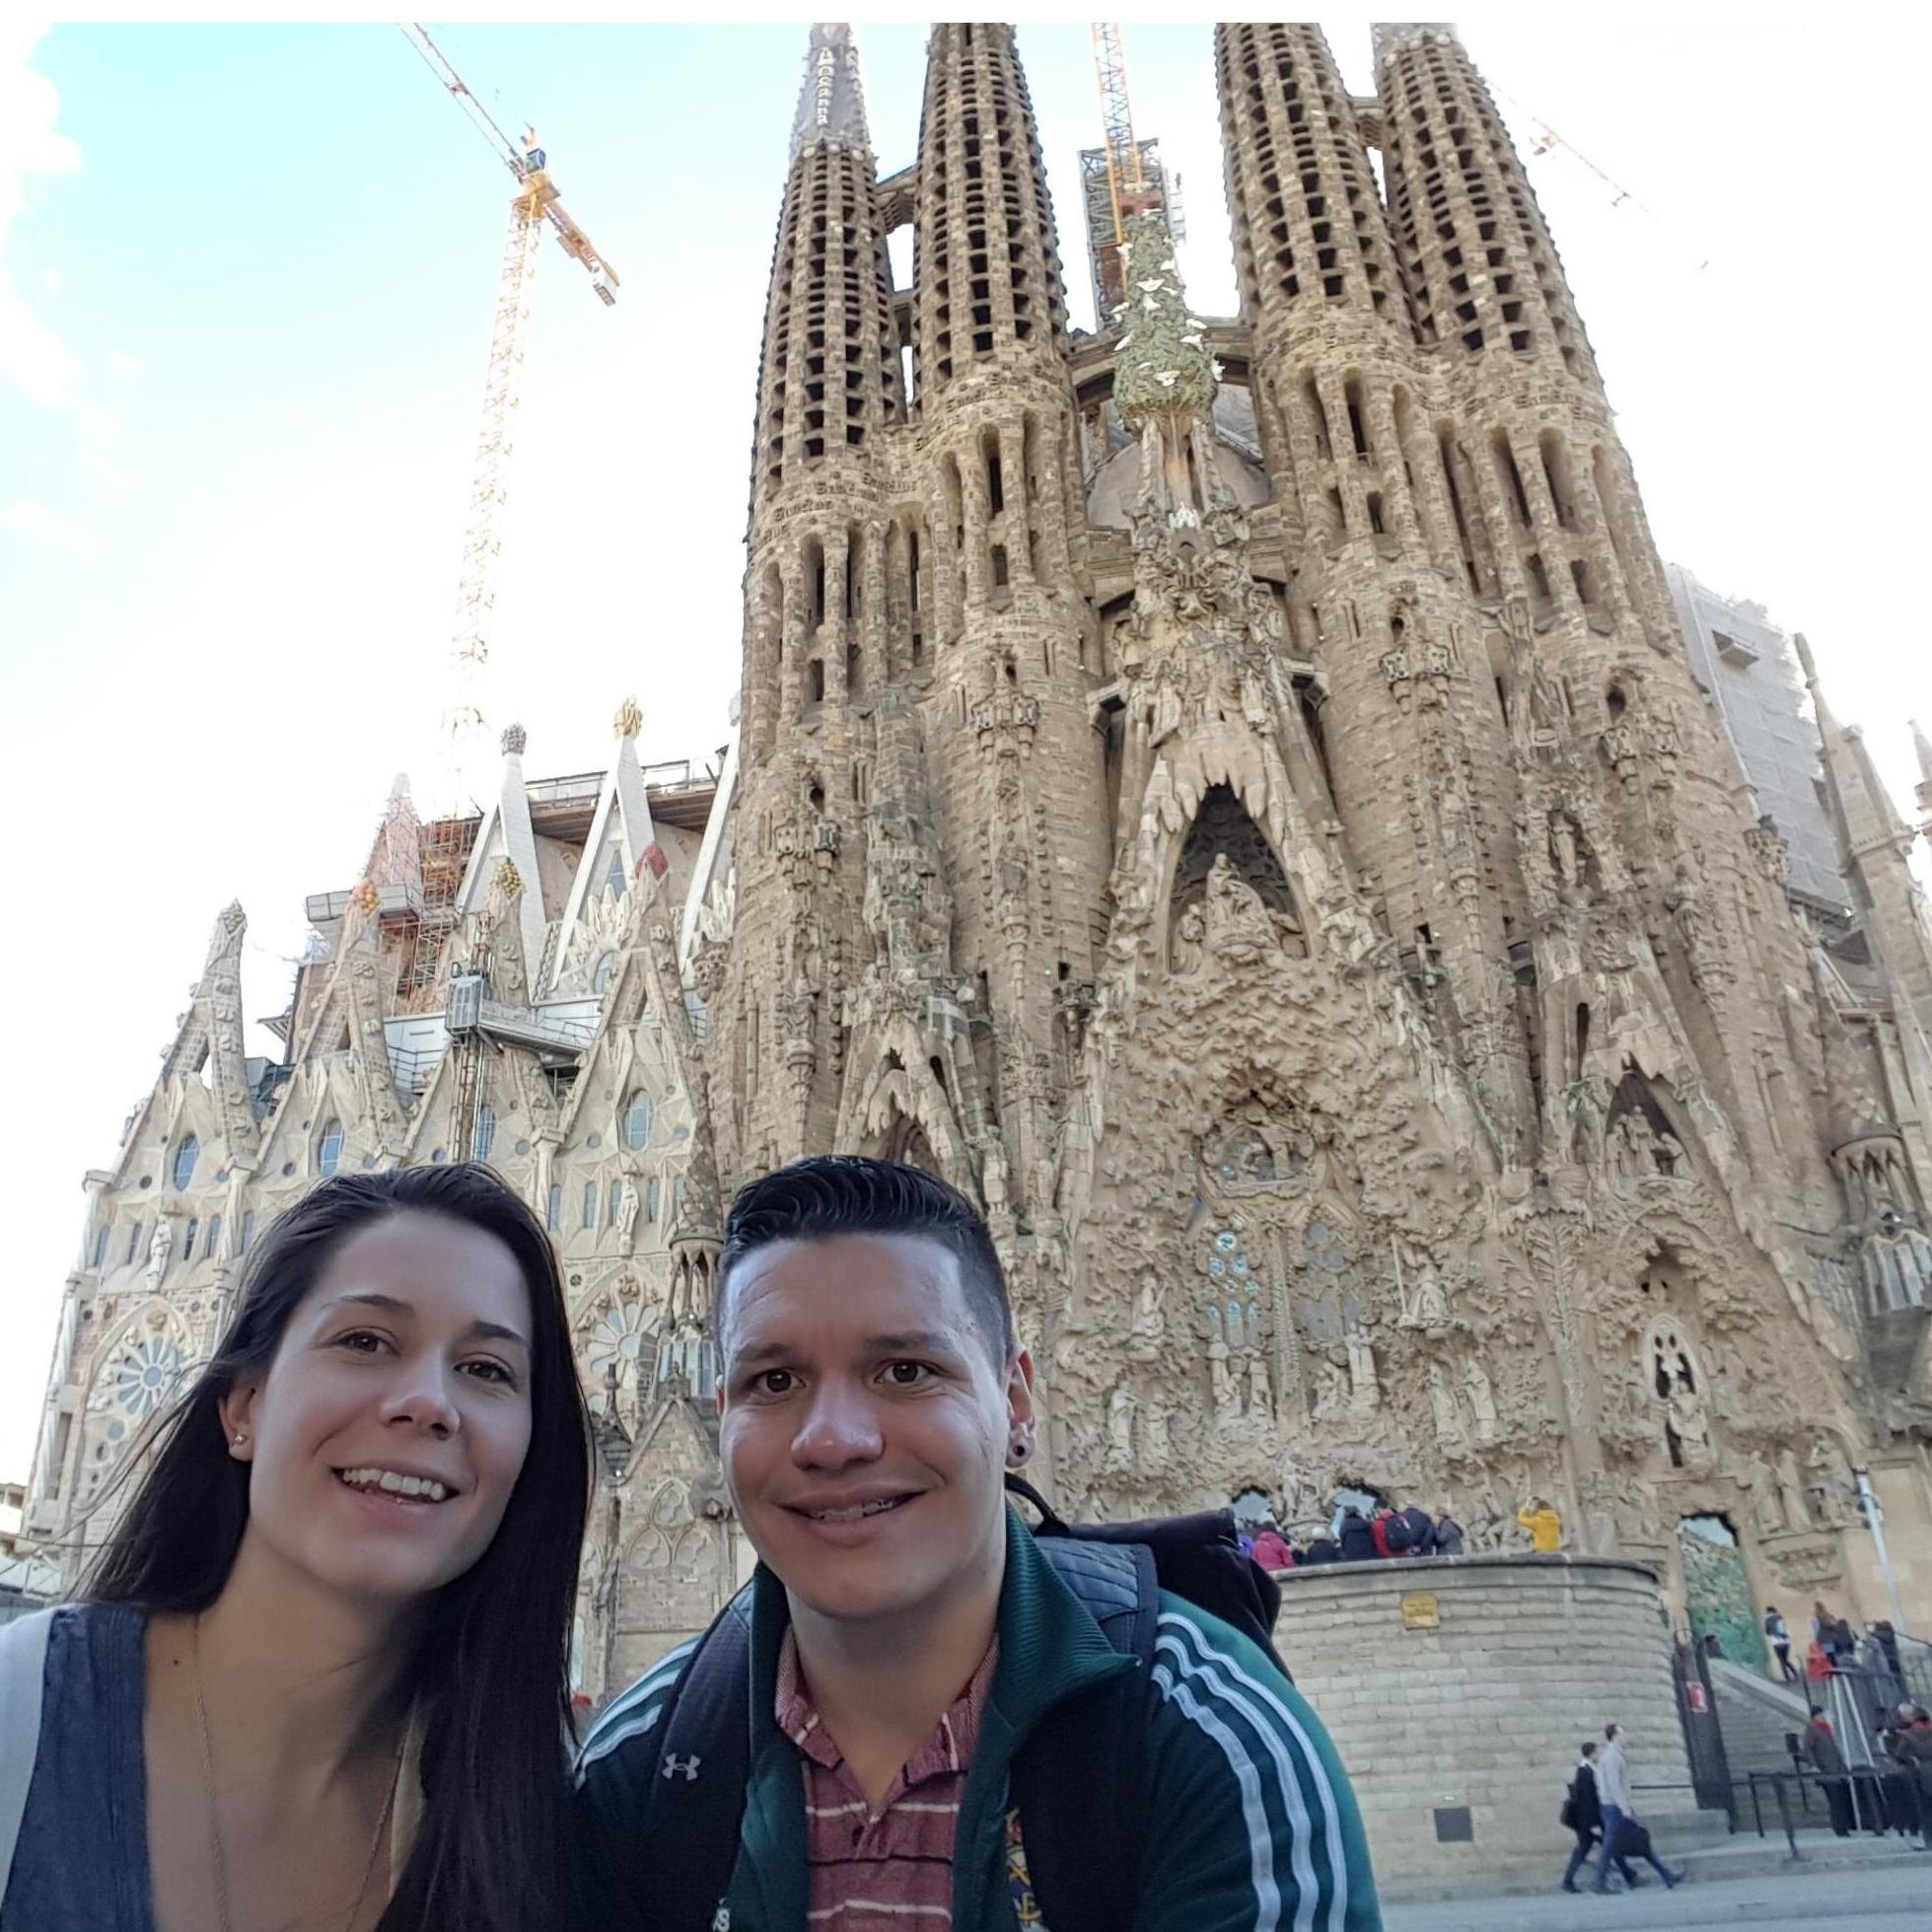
1229 795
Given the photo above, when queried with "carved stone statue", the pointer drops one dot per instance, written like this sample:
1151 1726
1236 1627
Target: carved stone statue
1260 1398
1330 1389
1189 933
1483 1399
1156 1445
1442 1399
1791 1492
1690 1425
1629 1154
1236 914
1365 1392
1428 1306
159 1249
628 1206
1120 1407
1150 1317
1221 1377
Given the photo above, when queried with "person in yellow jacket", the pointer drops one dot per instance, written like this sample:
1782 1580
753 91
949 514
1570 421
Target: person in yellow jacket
1545 1526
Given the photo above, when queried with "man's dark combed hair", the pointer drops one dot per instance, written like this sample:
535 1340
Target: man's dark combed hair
828 1194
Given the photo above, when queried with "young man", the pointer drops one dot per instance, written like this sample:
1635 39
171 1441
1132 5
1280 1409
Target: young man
1583 1812
1621 1813
1777 1634
906 1637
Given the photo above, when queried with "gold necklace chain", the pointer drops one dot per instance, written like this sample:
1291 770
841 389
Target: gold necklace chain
222 1906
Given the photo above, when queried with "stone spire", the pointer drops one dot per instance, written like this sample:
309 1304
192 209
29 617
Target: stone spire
1165 379
988 258
1311 242
829 375
1922 791
1476 255
831 102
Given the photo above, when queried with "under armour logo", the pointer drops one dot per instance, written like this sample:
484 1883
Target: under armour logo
687 1769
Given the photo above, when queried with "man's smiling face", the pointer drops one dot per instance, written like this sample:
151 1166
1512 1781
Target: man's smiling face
865 1417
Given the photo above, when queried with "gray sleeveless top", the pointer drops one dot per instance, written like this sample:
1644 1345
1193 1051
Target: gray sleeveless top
82 1861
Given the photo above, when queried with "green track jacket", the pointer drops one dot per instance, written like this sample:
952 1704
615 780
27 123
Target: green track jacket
1251 1824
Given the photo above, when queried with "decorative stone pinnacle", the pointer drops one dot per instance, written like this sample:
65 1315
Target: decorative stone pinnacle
508 881
629 720
831 103
515 738
1162 366
365 900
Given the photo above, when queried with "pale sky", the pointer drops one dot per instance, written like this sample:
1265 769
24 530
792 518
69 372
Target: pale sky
245 279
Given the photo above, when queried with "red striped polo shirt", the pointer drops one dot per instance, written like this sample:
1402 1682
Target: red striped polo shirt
889 1870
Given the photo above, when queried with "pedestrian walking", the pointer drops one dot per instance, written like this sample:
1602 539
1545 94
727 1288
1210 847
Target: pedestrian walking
1448 1534
1834 1637
1828 1762
1583 1814
1623 1835
1777 1634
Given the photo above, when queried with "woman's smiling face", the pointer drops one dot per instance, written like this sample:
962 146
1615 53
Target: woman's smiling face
390 1429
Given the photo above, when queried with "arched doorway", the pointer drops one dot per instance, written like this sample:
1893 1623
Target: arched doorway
1717 1589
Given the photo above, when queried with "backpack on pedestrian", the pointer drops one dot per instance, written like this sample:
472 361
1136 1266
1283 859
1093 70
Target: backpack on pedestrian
1397 1538
1077 1783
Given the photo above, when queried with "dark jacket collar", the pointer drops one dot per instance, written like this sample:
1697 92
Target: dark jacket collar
1050 1648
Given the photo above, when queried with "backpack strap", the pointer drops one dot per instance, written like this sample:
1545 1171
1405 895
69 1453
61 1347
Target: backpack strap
23 1677
1078 1781
690 1841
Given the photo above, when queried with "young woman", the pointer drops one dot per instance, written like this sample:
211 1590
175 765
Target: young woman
319 1678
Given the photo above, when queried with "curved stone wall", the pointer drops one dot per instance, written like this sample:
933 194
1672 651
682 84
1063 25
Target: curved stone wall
1457 1690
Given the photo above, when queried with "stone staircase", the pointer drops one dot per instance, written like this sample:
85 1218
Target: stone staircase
1755 1714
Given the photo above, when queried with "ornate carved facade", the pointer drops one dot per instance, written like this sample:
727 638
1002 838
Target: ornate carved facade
1231 796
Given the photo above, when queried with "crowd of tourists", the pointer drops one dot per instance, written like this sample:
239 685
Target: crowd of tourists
1356 1534
320 1674
1898 1793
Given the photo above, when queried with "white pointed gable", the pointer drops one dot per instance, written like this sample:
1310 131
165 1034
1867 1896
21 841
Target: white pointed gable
620 834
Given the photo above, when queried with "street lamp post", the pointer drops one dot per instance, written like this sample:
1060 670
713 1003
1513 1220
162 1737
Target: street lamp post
1874 1513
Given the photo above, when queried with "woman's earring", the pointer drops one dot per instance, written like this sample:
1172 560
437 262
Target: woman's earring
241 1436
1019 1448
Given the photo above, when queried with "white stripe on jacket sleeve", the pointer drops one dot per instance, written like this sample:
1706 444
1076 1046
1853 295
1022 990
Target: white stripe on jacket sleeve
1193 1667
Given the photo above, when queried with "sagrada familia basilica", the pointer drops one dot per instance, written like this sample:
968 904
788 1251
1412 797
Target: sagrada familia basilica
1231 796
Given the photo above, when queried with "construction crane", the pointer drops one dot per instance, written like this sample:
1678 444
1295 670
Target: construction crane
447 837
1545 139
1130 188
532 207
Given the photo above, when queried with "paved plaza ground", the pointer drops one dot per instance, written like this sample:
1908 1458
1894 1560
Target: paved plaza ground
1896 1898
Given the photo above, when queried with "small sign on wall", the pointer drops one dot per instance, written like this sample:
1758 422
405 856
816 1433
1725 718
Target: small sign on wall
1420 1610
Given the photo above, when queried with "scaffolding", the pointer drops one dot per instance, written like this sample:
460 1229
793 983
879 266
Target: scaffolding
1155 190
445 846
